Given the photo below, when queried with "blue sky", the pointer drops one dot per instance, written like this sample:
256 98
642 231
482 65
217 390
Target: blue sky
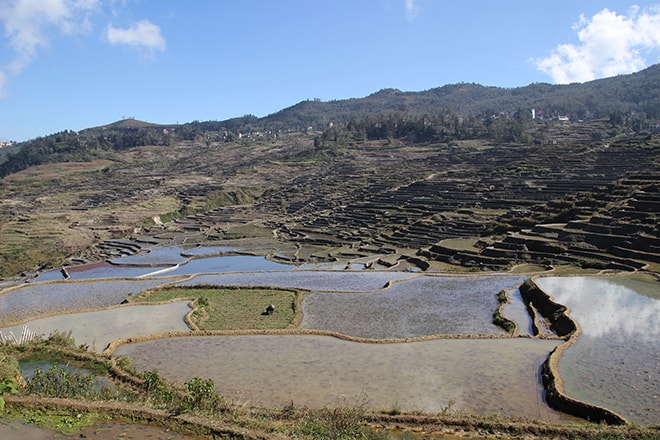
73 64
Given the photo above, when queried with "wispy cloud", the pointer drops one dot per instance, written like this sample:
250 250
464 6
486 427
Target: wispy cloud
30 25
143 35
610 44
412 10
27 25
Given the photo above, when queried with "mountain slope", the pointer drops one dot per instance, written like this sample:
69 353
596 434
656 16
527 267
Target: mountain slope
627 100
638 92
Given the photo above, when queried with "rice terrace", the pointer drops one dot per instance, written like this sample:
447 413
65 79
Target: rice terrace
442 264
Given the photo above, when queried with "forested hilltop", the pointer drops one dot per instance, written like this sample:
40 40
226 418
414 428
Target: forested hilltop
630 104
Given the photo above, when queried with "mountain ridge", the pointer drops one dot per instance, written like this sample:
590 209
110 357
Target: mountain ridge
623 93
597 98
454 111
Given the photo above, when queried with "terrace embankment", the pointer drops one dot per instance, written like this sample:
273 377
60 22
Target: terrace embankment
112 347
582 210
565 327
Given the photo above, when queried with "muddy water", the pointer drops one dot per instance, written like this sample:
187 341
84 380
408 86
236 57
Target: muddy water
616 360
96 329
100 431
32 300
421 306
479 376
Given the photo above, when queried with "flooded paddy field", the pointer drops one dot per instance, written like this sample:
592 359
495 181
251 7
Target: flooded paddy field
161 256
421 306
33 300
98 328
478 376
315 280
102 430
234 263
615 362
92 271
517 312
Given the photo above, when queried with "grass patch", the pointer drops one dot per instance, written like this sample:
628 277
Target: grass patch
498 319
224 308
66 422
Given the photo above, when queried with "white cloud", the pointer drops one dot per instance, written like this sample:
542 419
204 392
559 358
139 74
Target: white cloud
610 44
143 34
412 10
29 26
28 23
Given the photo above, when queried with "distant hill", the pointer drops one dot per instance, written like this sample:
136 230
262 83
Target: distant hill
637 92
130 123
456 111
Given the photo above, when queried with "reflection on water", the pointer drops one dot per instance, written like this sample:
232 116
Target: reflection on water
154 257
28 369
106 270
234 263
517 311
424 305
312 280
604 308
480 376
616 360
96 329
31 300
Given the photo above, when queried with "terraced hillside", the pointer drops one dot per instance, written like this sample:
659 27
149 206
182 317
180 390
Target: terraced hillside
457 205
593 205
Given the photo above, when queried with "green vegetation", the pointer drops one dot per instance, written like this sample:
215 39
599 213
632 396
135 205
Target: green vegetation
66 422
394 174
449 113
148 397
233 308
499 320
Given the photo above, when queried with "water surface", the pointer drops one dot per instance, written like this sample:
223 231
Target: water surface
232 263
31 300
516 311
616 360
96 329
480 376
424 305
311 280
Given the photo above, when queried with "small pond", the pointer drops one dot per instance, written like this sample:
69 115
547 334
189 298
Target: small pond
29 367
616 360
499 376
